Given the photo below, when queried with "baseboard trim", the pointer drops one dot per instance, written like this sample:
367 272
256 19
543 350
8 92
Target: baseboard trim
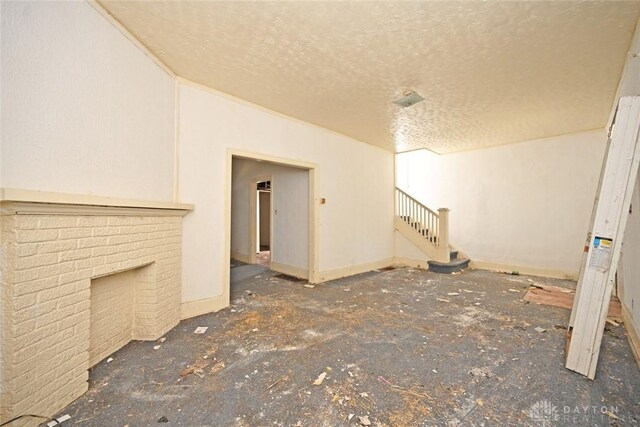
534 271
632 333
290 270
241 257
338 273
410 262
202 306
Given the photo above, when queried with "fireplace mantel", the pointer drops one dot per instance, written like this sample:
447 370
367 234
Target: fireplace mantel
52 246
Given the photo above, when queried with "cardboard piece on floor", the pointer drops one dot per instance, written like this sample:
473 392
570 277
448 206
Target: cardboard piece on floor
563 298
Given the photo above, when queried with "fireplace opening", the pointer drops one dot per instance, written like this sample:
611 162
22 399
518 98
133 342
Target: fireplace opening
114 304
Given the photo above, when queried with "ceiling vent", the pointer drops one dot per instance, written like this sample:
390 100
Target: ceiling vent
409 98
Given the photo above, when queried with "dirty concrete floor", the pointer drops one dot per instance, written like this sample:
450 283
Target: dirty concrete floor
403 347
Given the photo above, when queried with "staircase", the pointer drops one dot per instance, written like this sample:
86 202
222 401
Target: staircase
428 231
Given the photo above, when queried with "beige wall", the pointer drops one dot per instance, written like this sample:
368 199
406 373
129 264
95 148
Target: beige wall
83 109
356 179
523 206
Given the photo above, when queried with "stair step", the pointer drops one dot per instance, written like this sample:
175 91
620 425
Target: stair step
448 267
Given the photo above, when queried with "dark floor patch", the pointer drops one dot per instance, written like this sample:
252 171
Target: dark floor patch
289 278
403 347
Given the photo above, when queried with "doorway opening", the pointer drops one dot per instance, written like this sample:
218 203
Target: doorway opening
263 223
272 217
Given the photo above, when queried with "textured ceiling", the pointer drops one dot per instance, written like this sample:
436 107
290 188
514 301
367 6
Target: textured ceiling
491 72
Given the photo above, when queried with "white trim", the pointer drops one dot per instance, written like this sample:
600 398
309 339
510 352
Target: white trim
290 270
241 257
522 269
410 262
314 225
253 155
633 333
338 273
253 217
33 196
203 306
29 208
314 221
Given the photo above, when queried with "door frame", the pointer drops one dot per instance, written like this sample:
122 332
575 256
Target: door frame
253 216
314 212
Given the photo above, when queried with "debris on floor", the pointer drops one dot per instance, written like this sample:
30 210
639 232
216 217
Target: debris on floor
563 297
481 372
201 330
320 379
364 420
435 362
217 367
58 421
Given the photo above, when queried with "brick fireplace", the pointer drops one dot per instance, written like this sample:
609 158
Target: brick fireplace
53 256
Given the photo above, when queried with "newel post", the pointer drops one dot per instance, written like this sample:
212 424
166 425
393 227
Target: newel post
443 234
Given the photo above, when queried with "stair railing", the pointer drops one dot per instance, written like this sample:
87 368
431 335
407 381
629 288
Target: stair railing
433 226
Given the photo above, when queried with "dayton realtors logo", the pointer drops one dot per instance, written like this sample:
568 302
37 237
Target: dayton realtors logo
544 413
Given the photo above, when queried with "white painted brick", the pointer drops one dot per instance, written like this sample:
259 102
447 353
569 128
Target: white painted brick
74 276
59 221
119 220
27 222
24 263
75 233
91 242
117 240
24 301
105 250
29 287
55 316
91 262
32 339
92 221
79 296
27 236
26 249
75 254
59 320
106 231
33 312
56 246
57 292
116 258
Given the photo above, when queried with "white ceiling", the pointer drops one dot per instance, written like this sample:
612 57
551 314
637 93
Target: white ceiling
491 72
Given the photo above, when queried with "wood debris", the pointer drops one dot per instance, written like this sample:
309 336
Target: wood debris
320 378
562 297
364 420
